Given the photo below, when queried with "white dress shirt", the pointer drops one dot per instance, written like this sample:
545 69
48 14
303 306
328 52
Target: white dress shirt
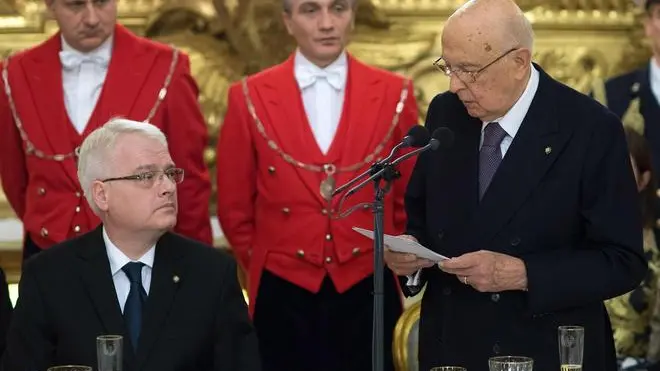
654 72
510 122
83 75
118 260
323 91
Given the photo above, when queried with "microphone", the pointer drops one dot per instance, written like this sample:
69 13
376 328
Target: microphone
442 137
417 136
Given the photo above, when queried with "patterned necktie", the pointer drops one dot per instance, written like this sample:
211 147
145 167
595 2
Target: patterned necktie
135 301
490 155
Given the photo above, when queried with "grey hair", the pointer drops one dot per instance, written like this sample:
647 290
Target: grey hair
522 31
97 148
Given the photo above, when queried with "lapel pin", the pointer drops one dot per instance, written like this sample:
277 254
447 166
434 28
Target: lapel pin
176 279
548 150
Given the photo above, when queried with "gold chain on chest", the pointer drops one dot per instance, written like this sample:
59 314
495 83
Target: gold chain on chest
31 149
327 186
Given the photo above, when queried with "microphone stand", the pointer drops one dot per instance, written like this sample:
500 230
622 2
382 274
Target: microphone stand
381 171
387 174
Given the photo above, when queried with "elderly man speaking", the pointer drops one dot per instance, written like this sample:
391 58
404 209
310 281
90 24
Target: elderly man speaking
176 302
535 204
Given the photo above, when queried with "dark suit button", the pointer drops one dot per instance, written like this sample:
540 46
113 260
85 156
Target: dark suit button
446 291
515 241
495 298
496 349
441 234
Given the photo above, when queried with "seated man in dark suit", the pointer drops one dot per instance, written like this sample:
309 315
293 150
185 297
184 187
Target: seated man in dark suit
176 302
536 205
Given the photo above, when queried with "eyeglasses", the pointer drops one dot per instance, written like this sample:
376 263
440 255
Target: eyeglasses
149 178
463 75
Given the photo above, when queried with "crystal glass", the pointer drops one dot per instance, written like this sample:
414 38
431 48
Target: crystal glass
511 363
70 368
109 352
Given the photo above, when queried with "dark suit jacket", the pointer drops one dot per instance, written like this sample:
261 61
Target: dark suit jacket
67 298
621 90
563 200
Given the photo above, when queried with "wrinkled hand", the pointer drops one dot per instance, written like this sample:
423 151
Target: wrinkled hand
488 271
403 264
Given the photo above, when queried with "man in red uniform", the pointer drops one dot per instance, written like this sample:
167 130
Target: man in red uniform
290 132
56 93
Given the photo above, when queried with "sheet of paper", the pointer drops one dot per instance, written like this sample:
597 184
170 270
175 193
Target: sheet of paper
404 245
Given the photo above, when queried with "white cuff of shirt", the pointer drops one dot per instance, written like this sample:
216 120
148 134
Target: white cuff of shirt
413 279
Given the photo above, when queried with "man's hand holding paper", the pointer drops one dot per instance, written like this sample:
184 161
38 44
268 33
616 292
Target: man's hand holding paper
405 264
488 271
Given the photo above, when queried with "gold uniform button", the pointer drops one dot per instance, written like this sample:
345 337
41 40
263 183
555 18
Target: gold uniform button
271 169
324 211
356 250
78 194
77 209
328 260
41 191
300 253
328 237
76 229
286 210
44 232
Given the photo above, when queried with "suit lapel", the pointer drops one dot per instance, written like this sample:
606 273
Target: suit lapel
127 72
285 121
44 72
164 284
97 280
535 148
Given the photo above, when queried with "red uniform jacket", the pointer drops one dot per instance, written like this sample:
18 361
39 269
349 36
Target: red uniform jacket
45 193
272 212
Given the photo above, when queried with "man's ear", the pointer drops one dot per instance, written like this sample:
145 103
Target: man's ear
286 18
100 195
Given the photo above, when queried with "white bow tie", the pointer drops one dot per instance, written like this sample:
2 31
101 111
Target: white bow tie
307 77
72 60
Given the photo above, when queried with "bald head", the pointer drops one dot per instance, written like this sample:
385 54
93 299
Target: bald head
487 51
495 25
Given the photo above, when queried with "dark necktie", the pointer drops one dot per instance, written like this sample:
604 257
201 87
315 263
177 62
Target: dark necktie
135 301
490 155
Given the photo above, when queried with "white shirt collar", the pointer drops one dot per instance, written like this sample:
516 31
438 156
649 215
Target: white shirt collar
103 51
118 259
512 120
654 70
340 66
